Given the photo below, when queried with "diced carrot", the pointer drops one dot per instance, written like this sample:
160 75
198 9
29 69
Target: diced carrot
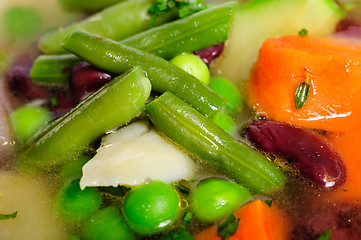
347 145
333 68
258 221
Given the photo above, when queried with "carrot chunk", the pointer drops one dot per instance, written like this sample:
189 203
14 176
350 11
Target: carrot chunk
258 221
331 67
347 145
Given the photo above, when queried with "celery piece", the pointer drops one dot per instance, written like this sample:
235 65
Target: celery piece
116 58
111 106
116 22
187 127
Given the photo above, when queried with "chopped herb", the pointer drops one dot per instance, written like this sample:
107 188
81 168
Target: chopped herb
302 92
268 202
228 227
187 217
303 32
326 235
185 7
343 189
53 101
8 216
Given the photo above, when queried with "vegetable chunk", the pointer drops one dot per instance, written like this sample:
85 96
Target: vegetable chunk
70 134
333 71
132 155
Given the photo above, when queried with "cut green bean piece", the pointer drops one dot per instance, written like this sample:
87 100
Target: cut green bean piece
111 106
184 125
116 22
117 58
198 31
87 5
53 69
166 41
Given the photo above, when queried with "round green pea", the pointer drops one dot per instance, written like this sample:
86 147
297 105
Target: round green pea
27 120
20 23
213 200
151 207
74 205
192 64
225 122
230 92
106 224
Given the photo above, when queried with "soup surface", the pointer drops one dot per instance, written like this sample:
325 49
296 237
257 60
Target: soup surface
98 151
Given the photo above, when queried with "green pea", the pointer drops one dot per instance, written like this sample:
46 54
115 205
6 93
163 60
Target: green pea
151 207
27 120
21 22
192 64
106 224
74 205
212 200
226 88
225 122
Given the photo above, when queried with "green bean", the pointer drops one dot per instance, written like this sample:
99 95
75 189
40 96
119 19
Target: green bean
87 5
164 76
116 22
52 69
187 127
166 41
111 106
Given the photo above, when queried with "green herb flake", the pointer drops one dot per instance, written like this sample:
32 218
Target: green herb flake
268 202
228 227
326 235
302 93
343 189
184 7
303 32
8 216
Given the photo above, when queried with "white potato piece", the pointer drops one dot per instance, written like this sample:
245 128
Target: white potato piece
134 154
32 200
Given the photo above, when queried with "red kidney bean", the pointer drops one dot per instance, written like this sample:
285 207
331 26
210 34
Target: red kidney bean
210 53
86 78
18 81
311 155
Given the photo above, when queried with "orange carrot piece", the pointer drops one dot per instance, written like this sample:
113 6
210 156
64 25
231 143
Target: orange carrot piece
258 221
333 68
347 145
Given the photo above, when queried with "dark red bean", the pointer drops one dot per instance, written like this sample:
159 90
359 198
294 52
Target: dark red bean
86 78
62 103
210 53
308 153
344 219
346 23
19 84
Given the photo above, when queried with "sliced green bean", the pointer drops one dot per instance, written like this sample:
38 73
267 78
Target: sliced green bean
53 69
116 22
164 76
200 30
111 106
87 5
167 41
187 127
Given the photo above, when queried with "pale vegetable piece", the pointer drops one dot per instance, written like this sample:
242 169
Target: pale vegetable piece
257 20
35 217
134 154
